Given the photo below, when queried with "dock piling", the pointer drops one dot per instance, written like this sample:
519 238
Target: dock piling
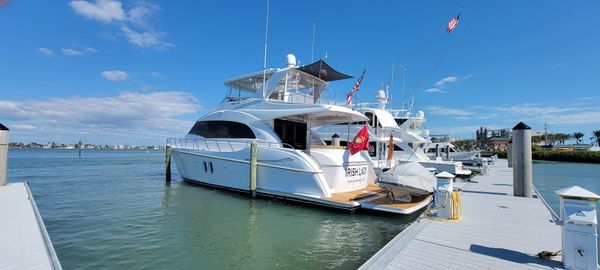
168 163
80 144
253 161
521 161
3 154
509 154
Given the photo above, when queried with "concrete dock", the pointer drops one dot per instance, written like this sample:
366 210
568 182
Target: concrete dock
498 231
24 242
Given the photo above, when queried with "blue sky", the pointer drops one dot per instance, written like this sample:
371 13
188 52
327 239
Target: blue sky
137 72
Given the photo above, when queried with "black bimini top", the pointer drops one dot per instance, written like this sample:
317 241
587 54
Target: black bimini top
323 71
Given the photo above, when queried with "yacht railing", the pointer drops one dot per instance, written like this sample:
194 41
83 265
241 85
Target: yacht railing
220 145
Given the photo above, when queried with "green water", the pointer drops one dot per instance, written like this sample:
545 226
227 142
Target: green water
549 176
113 210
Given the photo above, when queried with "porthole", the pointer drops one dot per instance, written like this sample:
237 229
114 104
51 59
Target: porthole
205 167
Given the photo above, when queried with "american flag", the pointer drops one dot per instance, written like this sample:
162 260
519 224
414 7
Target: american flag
354 89
452 23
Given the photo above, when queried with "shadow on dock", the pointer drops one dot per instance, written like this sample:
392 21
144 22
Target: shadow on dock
514 256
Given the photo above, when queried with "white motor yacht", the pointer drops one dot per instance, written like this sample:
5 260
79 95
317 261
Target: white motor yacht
408 137
415 142
276 109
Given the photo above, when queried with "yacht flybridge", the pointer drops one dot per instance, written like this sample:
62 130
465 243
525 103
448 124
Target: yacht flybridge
276 109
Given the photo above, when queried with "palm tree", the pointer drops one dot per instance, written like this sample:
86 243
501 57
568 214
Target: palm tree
578 136
564 137
550 139
597 136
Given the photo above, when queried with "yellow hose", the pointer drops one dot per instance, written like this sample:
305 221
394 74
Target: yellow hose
456 212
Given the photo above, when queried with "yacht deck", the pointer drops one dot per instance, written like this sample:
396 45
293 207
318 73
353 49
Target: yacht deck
348 197
376 198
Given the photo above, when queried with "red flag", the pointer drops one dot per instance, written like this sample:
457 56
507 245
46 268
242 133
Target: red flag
354 89
453 23
360 141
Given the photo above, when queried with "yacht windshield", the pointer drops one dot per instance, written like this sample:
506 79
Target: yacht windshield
298 87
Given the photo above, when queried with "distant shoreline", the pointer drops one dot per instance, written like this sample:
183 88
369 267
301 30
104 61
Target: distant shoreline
562 156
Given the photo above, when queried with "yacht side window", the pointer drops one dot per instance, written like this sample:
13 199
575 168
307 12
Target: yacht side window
370 116
222 129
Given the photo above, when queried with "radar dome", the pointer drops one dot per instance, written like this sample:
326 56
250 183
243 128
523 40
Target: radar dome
420 114
291 60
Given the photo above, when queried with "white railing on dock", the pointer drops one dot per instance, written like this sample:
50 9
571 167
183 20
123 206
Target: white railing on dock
220 145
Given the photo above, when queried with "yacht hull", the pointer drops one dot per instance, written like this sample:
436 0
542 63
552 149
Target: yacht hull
232 170
300 183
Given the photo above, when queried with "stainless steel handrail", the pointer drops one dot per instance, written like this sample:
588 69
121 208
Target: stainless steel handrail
205 145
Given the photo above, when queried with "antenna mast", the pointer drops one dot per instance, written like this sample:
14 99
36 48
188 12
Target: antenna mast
265 57
312 50
403 85
388 94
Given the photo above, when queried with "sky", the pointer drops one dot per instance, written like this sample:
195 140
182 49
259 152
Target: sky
137 72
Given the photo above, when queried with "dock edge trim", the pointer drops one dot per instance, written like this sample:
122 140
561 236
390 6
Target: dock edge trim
49 247
388 252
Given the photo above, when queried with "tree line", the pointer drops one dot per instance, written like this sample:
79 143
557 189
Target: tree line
553 139
560 138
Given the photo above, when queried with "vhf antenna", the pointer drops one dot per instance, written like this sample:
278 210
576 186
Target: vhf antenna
265 57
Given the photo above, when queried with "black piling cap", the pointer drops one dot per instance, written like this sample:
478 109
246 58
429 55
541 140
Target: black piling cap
335 135
521 126
2 127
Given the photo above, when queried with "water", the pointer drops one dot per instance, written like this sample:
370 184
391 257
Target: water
549 176
112 210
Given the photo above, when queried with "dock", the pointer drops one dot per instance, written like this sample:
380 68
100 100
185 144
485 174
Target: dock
498 231
24 242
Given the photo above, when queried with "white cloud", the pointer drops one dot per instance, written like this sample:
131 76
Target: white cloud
434 90
148 39
156 74
441 85
575 118
439 110
90 50
530 109
134 23
446 80
102 10
45 51
25 127
128 117
556 65
141 13
115 75
71 52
